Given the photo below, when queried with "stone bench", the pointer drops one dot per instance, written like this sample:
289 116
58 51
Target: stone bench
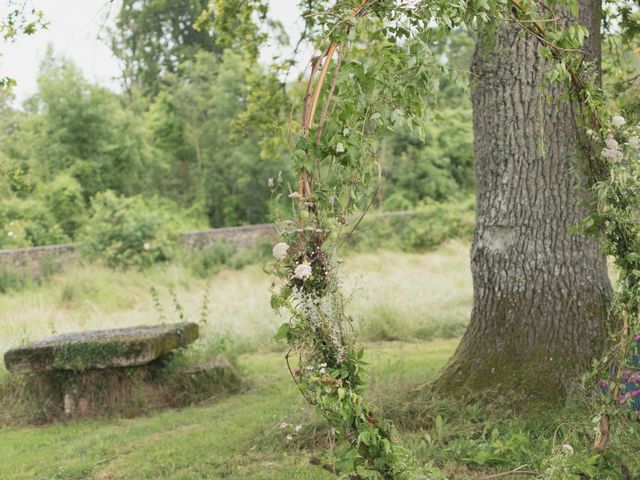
104 369
99 349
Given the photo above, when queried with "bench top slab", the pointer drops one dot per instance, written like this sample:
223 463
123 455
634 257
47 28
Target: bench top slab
118 347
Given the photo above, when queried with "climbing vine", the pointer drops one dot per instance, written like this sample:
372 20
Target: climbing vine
376 70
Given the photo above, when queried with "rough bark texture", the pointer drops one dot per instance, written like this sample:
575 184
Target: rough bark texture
540 295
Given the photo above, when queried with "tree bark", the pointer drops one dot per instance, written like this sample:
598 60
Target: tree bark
541 295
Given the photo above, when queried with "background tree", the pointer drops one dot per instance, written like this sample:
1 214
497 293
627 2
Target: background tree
154 37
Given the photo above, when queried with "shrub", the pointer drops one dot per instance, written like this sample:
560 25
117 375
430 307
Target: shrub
210 260
28 222
128 231
64 198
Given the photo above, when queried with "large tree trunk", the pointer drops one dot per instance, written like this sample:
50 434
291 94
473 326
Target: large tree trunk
540 295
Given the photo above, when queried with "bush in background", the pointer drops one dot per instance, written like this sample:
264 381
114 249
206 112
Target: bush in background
26 222
128 232
63 197
211 259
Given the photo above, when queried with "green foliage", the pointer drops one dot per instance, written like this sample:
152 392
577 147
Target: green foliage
28 222
234 21
213 165
438 168
556 443
79 128
154 37
210 260
208 139
63 197
129 232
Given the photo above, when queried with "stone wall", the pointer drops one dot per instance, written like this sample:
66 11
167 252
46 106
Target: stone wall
39 260
241 237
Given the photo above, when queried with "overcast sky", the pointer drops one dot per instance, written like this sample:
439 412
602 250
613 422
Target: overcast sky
78 31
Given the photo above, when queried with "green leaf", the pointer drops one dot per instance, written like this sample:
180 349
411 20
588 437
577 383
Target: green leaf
364 437
283 332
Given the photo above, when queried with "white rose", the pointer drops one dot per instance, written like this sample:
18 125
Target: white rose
280 250
302 271
618 120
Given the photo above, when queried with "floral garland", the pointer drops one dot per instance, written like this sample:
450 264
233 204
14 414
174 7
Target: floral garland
319 331
617 215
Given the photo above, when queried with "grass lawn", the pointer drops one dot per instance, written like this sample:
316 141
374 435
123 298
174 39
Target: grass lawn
232 437
410 309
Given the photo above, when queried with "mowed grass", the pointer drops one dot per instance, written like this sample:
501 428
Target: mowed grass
395 296
236 437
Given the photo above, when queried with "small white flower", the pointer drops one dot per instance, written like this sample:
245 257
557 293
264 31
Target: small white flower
611 142
340 147
294 195
618 120
302 271
323 364
270 182
612 154
9 234
289 438
280 250
298 428
322 371
568 449
146 245
634 142
283 425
